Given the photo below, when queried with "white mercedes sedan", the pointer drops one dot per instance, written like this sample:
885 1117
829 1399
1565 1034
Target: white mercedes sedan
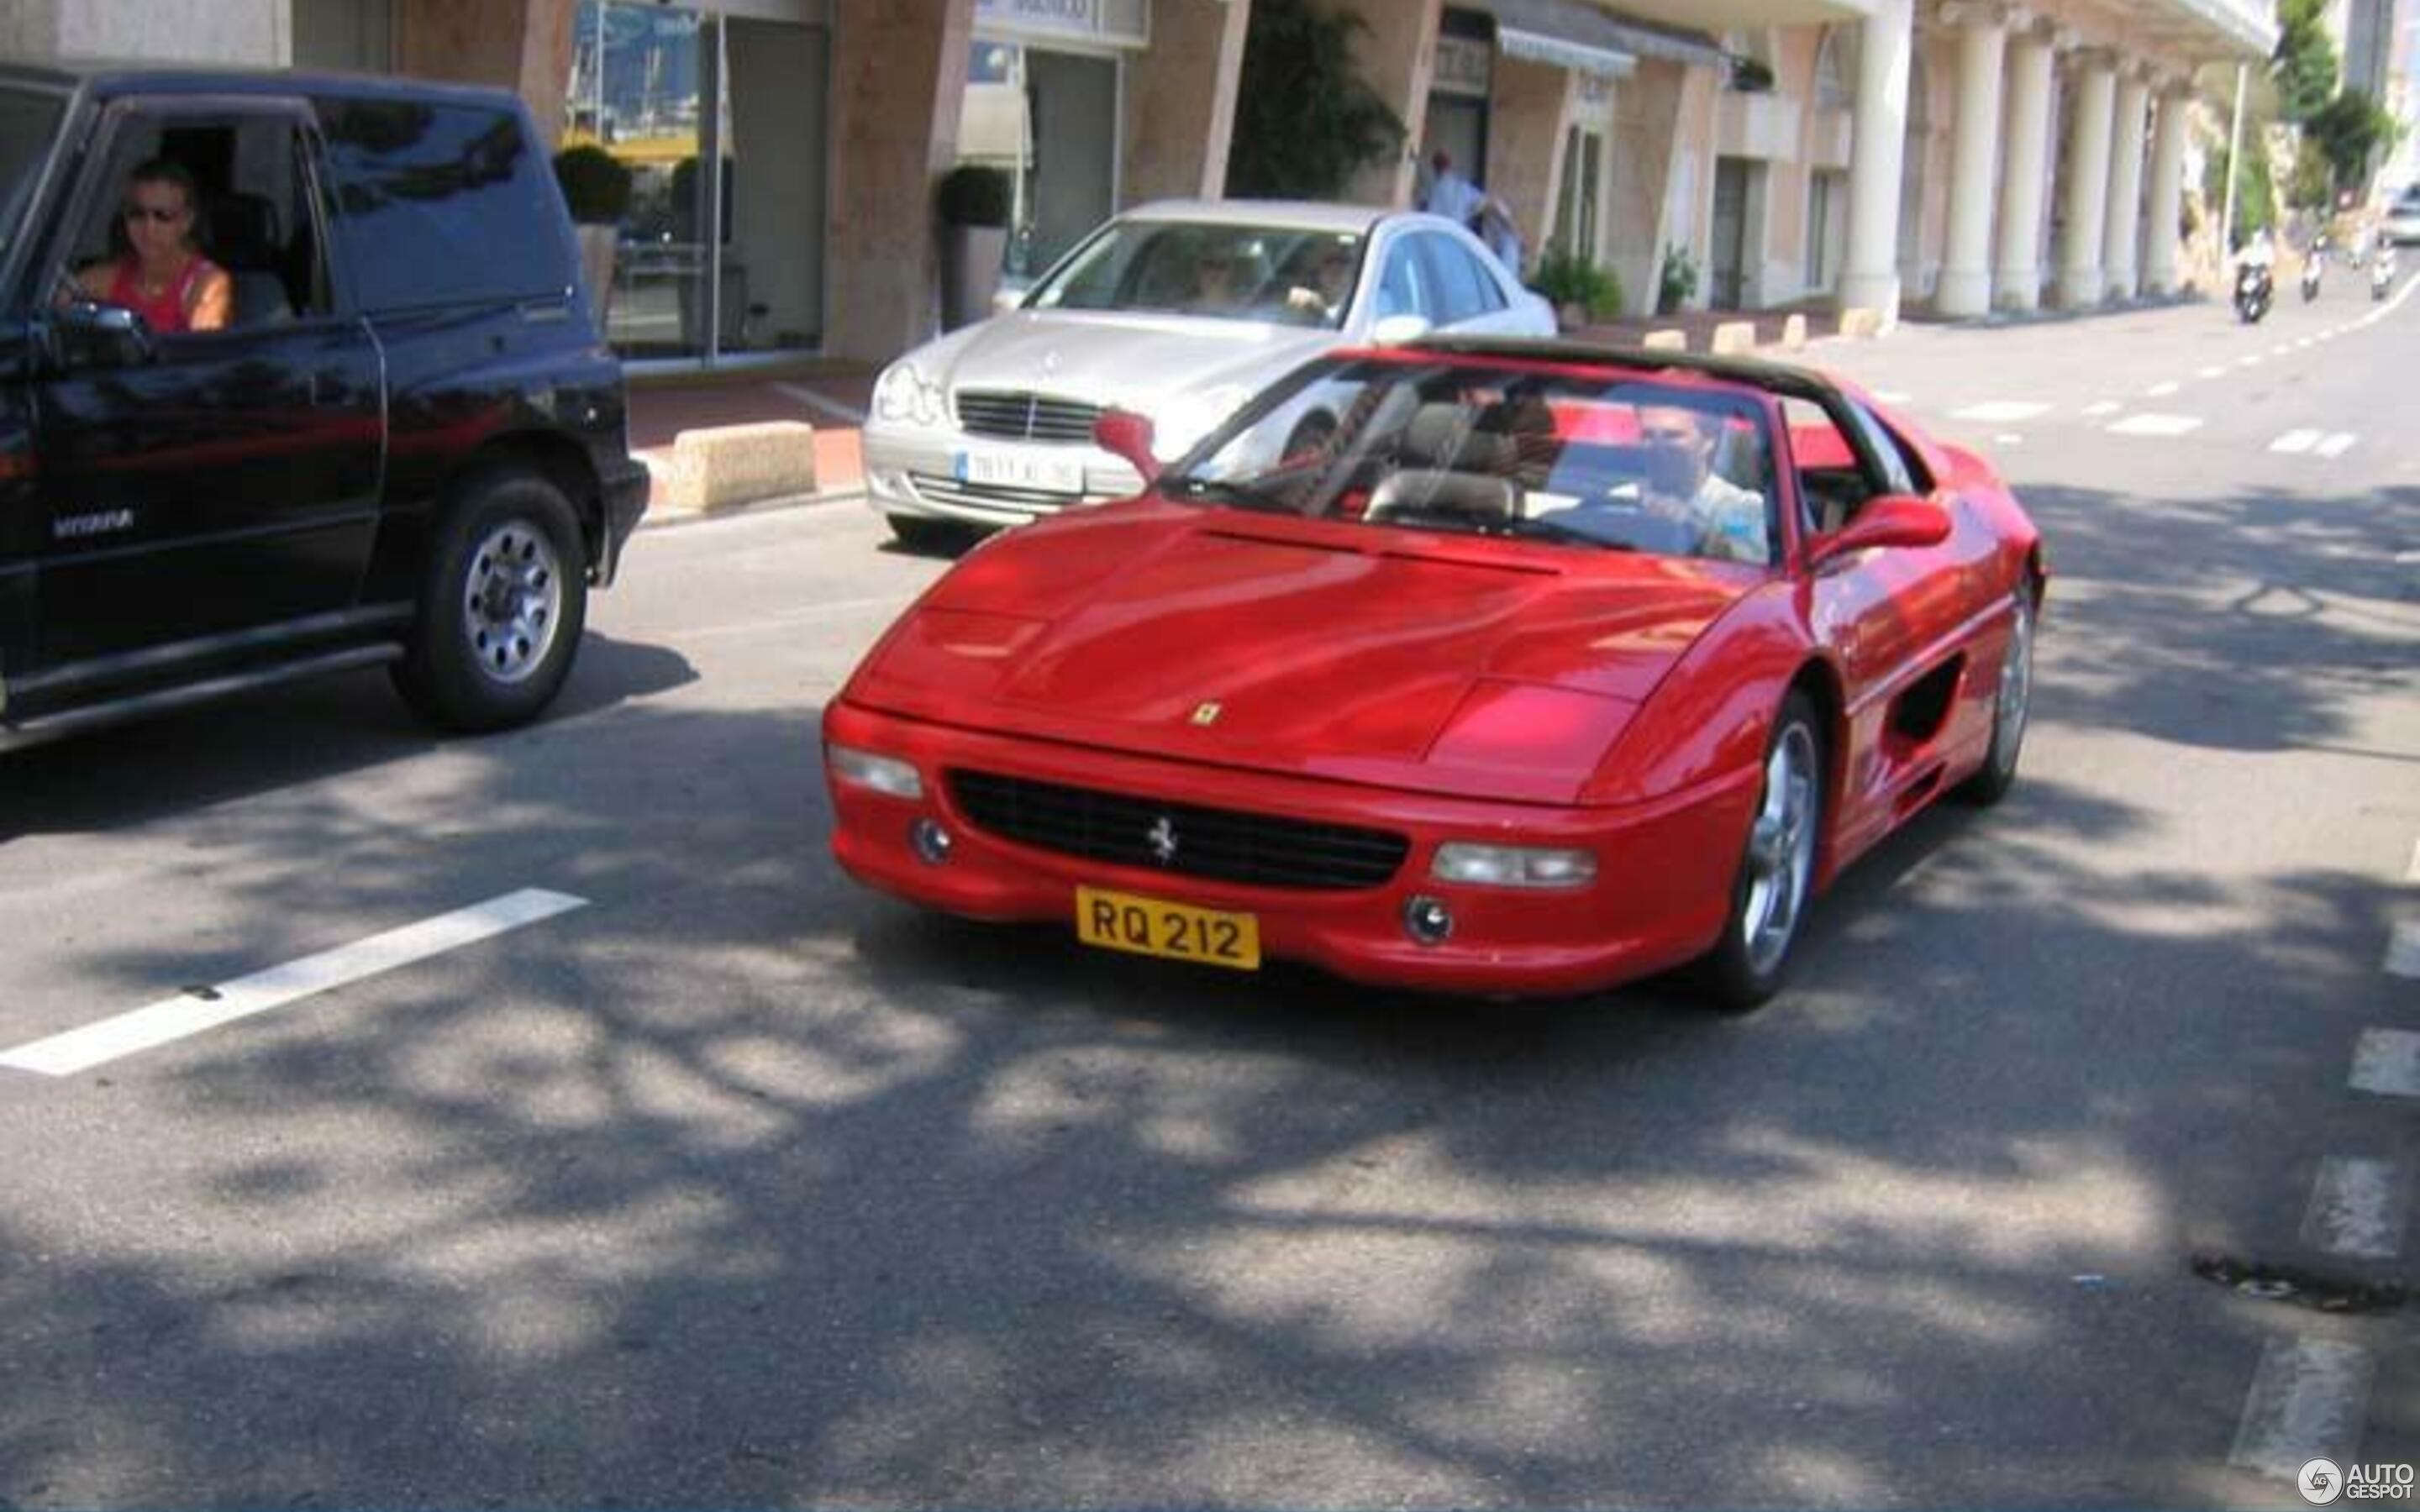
1179 310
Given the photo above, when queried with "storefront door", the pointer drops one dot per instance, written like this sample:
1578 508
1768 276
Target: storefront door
1072 186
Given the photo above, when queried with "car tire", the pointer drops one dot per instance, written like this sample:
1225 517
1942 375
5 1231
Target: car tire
2012 706
1776 873
501 608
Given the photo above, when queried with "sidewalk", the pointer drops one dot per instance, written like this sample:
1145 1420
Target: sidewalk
829 397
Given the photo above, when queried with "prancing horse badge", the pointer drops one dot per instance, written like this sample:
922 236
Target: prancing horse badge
1206 713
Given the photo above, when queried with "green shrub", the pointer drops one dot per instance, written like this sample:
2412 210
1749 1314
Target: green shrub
596 184
1678 281
1306 119
1569 278
974 194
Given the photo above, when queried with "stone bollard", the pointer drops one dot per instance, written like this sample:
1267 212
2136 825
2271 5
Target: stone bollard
1734 338
1666 341
1859 323
723 466
1793 333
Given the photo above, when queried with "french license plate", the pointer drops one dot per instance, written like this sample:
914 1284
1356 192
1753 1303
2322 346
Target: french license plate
1014 470
1150 926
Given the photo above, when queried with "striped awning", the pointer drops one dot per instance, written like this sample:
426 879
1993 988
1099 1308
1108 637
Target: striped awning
1589 40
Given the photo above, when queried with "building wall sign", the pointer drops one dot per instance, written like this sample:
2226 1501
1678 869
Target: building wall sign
1462 65
1116 23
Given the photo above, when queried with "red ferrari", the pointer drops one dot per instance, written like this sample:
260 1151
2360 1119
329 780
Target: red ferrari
1472 666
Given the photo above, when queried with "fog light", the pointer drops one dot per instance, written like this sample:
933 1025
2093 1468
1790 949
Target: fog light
930 842
1513 866
1428 920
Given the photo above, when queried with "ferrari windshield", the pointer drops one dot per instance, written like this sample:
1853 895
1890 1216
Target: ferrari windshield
1595 463
1287 275
29 119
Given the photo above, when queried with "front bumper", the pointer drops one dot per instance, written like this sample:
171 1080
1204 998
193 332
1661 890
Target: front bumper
1662 891
918 471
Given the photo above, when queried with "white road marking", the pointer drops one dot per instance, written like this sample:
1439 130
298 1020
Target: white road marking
2388 1061
2358 1207
2295 441
2160 391
2001 410
1894 396
816 401
2212 371
174 1018
2252 361
2155 425
2411 868
2280 349
2403 949
2107 407
2008 437
2337 444
2306 1402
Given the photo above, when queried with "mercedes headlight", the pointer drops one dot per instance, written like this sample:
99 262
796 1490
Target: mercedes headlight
904 397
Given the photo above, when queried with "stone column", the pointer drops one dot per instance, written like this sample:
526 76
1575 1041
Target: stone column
1180 104
2125 231
1965 286
2160 249
898 82
2016 281
2081 278
1869 272
1395 53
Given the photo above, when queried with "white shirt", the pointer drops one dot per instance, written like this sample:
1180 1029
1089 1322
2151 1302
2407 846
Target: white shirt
1454 197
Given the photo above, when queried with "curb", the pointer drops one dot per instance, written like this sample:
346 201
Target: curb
670 519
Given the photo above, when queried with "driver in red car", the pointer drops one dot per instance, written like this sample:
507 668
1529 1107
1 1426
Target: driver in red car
1729 521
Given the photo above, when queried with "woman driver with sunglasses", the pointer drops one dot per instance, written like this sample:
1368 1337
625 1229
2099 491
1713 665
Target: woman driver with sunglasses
163 278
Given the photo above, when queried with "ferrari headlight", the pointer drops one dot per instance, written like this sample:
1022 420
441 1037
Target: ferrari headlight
904 396
1189 417
886 774
1513 866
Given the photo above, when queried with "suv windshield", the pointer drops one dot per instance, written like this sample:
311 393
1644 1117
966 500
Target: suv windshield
1596 463
1289 276
29 119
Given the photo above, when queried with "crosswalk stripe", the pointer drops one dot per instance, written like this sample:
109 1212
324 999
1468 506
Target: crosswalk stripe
2358 1207
2337 444
2388 1061
2155 425
2295 441
2000 409
2307 1402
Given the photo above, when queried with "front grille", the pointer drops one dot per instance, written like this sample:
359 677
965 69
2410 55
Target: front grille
1025 417
1220 844
943 490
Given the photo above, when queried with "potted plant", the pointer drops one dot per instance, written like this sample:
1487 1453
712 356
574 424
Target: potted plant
972 205
1581 292
1678 282
597 187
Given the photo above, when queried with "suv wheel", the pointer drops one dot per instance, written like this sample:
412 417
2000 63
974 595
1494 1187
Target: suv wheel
502 610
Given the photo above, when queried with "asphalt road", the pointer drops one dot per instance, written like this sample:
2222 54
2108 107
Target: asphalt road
733 1184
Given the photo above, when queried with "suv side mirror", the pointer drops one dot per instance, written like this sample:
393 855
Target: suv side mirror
93 333
1892 521
1126 434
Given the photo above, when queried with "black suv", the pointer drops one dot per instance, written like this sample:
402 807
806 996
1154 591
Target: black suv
407 446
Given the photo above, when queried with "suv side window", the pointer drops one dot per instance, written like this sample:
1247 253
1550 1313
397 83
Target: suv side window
441 204
1465 290
255 213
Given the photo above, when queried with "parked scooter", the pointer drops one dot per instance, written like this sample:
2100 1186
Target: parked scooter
2254 291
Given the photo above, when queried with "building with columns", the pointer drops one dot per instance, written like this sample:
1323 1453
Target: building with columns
1965 154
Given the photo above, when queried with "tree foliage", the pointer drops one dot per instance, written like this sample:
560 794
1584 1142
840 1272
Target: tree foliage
2304 63
2346 132
1305 121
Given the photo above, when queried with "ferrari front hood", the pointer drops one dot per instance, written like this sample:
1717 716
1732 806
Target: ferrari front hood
1372 656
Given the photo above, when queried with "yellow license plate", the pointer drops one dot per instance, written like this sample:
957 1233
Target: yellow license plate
1148 926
